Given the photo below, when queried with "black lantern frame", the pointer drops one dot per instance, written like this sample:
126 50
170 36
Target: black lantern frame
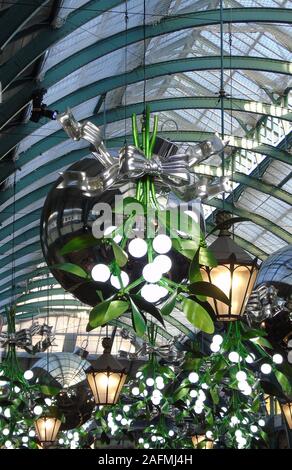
107 377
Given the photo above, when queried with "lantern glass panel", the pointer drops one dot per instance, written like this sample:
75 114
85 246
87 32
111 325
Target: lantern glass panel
236 282
202 442
106 386
47 428
287 411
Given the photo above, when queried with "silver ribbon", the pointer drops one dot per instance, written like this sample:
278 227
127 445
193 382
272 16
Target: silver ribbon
180 173
262 304
23 338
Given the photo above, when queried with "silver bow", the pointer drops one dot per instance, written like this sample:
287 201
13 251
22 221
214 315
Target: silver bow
262 304
180 172
23 338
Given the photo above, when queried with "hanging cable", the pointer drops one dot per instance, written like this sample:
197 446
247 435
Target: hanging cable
126 69
222 90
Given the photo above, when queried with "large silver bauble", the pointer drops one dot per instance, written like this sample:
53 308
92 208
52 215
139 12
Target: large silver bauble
277 271
68 213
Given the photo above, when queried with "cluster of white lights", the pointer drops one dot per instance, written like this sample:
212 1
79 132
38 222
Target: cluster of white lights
215 346
156 397
243 385
152 272
199 403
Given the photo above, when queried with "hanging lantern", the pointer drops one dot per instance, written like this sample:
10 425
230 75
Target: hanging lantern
107 377
235 273
287 412
47 428
200 441
272 405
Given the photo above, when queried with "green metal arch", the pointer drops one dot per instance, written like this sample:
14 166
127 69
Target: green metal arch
15 17
37 47
151 71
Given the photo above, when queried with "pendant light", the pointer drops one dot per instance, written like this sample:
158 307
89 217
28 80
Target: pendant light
200 441
235 273
107 377
47 428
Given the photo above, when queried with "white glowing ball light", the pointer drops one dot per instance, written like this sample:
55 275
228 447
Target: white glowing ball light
135 391
234 357
266 368
277 359
37 410
138 248
162 244
117 238
100 273
151 293
215 347
28 374
115 281
150 382
151 273
241 376
163 263
217 339
193 377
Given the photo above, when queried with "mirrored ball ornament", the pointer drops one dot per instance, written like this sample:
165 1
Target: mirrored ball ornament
68 214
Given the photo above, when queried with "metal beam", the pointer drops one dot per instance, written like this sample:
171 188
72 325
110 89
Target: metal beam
15 17
151 71
255 218
23 58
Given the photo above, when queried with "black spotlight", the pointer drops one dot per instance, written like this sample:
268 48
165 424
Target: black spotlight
40 109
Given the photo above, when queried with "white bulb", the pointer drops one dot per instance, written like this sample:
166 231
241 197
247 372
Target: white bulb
124 422
153 438
151 273
193 393
162 244
215 347
16 389
145 393
138 248
262 423
155 400
48 401
234 357
163 263
247 391
250 358
156 393
28 374
140 440
205 386
100 273
198 410
7 413
254 428
243 385
139 374
238 433
217 339
8 444
150 382
37 410
135 391
119 417
241 376
266 368
162 291
193 377
25 439
151 293
126 408
115 282
209 434
171 433
5 431
234 420
160 386
146 446
277 359
31 433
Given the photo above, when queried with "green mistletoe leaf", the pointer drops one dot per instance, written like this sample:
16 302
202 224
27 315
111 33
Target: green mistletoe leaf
198 316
